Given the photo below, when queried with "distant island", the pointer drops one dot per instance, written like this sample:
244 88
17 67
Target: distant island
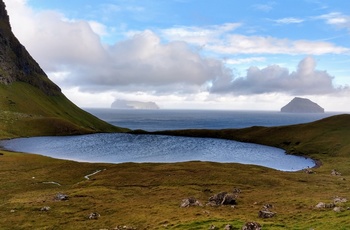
302 105
124 104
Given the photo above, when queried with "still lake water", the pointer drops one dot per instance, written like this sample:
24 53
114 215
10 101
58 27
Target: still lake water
118 148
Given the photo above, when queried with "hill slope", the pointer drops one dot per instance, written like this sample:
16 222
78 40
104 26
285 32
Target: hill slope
319 139
30 103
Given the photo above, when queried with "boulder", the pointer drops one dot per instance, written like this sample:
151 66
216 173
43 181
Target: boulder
45 209
61 196
222 198
335 173
94 216
188 202
266 214
324 205
251 226
340 200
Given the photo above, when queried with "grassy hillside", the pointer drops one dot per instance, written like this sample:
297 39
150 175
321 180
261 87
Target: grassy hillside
319 139
148 196
27 111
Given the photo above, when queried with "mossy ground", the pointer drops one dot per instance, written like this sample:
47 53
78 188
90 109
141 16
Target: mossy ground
148 196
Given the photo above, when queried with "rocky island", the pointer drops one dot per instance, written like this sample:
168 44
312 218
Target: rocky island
302 105
124 104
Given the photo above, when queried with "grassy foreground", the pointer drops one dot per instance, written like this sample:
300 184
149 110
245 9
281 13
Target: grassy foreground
148 196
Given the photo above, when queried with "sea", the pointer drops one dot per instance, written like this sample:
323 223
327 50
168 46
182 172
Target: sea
121 148
154 120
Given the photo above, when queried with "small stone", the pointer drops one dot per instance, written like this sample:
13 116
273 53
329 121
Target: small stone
267 206
45 209
340 200
266 214
212 227
320 205
337 209
94 216
12 211
61 196
190 202
335 173
228 227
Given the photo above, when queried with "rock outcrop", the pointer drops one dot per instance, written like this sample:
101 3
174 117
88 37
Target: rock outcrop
302 105
31 104
16 64
124 104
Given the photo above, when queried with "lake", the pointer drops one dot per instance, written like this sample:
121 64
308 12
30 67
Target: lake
119 148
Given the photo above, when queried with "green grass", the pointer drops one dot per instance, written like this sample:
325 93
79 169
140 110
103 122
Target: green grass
148 195
27 111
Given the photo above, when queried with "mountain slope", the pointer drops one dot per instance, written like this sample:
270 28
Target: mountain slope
319 139
30 103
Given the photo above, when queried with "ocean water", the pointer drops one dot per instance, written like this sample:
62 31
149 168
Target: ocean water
118 148
152 120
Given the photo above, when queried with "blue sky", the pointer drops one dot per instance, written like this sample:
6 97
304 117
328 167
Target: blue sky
191 54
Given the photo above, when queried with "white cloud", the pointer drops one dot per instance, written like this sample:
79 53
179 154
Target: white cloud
306 80
231 61
199 35
221 40
336 19
289 20
241 44
263 7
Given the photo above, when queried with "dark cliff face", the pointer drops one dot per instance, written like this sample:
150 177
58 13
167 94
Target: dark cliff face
16 64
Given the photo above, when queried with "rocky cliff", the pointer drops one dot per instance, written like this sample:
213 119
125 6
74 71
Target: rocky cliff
30 103
16 64
302 105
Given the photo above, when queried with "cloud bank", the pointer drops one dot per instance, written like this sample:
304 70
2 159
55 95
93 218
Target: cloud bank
170 62
306 80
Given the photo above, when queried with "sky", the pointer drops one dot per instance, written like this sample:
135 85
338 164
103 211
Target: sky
191 54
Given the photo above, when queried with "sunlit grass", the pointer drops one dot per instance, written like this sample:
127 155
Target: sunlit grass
148 196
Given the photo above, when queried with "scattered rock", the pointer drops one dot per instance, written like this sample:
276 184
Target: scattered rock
61 196
251 226
125 227
324 205
266 214
228 227
309 171
337 209
339 200
45 209
335 173
267 206
212 227
94 216
330 205
236 191
222 198
190 202
320 205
